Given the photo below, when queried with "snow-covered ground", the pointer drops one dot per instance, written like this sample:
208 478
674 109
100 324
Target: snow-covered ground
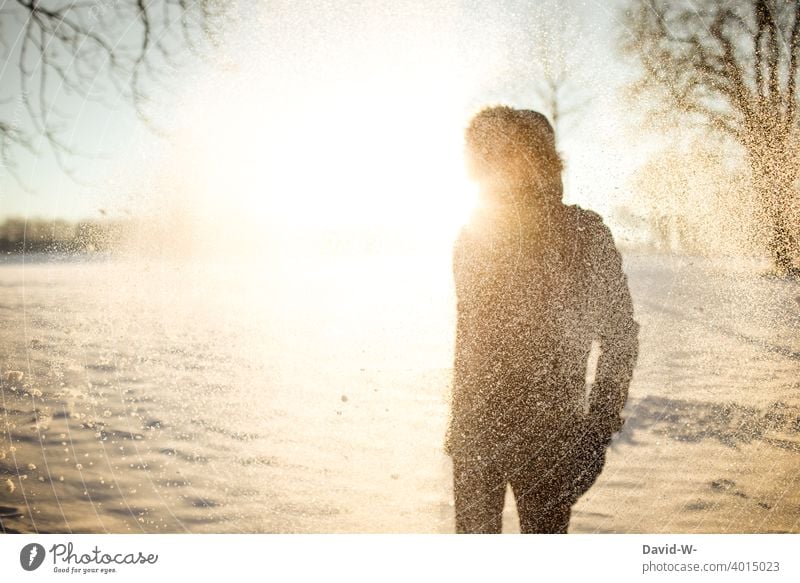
312 397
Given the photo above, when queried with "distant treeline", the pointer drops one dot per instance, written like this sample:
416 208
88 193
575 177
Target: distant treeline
59 236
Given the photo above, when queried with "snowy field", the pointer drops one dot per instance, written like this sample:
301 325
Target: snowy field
312 397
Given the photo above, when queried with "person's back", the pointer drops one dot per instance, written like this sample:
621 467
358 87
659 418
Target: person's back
536 283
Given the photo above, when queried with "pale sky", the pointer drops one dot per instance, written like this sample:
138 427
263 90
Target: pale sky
361 103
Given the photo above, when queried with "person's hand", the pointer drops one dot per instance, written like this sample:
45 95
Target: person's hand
590 457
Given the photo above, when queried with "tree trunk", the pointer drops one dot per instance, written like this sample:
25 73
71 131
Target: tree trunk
782 250
774 178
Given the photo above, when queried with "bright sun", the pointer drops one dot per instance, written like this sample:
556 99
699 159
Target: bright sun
384 151
371 162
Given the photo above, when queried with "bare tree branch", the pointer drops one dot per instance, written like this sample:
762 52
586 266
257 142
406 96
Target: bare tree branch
89 49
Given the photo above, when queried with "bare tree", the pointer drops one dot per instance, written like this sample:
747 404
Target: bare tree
69 51
558 59
546 61
732 67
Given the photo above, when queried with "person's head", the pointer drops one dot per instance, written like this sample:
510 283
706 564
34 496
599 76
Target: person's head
509 150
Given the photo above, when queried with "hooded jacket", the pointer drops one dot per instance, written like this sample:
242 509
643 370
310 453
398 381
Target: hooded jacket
533 292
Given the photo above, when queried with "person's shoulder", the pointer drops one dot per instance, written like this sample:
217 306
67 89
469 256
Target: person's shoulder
466 235
474 231
586 218
589 224
466 242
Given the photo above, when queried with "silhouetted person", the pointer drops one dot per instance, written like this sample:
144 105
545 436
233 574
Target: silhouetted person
536 282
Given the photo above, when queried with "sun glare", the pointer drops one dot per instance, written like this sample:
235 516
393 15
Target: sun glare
363 163
382 151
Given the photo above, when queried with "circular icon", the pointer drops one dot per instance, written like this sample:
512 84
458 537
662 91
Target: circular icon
31 556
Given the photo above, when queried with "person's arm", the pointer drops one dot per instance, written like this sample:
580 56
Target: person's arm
616 329
466 290
464 280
